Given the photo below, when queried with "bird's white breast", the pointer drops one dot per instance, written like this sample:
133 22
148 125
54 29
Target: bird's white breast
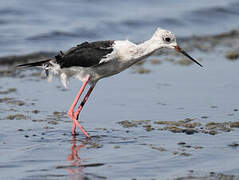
125 50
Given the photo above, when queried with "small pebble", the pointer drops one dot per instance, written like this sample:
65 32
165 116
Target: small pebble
159 148
212 132
197 147
181 143
116 147
185 154
35 111
189 131
234 124
232 55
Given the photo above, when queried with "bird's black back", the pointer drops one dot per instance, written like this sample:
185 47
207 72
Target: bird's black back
85 54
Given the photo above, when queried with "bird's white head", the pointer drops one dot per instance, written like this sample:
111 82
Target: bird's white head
166 39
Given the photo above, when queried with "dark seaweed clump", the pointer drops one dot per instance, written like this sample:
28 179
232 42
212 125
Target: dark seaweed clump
188 126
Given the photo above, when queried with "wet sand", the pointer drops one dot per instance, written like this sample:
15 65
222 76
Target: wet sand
165 118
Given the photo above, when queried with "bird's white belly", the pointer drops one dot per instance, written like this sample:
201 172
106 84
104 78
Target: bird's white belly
108 69
98 72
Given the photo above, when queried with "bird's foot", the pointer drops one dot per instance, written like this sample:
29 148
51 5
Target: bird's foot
76 123
75 133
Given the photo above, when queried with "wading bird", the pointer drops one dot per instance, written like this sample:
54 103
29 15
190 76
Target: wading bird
91 61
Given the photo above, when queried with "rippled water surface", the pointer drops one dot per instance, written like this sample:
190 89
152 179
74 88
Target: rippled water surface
163 119
36 142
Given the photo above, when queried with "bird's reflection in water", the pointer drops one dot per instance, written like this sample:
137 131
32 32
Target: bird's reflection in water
75 169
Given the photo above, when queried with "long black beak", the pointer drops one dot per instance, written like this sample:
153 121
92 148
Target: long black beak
177 48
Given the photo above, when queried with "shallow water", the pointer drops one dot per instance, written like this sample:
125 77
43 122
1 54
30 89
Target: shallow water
40 146
128 115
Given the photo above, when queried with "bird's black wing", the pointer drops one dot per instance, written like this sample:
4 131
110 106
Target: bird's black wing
85 54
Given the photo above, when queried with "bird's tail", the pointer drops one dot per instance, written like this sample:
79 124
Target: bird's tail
39 63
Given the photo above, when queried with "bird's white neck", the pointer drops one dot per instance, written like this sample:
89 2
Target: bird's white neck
146 48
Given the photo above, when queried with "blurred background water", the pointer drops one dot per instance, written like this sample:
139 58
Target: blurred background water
49 25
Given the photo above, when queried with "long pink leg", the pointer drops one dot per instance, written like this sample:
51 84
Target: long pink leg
77 112
70 112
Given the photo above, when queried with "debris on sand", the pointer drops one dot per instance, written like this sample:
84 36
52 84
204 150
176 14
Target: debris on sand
184 62
234 124
11 101
9 90
218 126
142 70
134 123
116 146
187 126
16 116
155 61
211 175
232 55
35 111
94 145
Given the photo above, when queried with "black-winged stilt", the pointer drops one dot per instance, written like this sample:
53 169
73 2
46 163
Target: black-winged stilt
90 62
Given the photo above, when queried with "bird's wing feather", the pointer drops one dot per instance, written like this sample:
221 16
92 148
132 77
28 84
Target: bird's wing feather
85 55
